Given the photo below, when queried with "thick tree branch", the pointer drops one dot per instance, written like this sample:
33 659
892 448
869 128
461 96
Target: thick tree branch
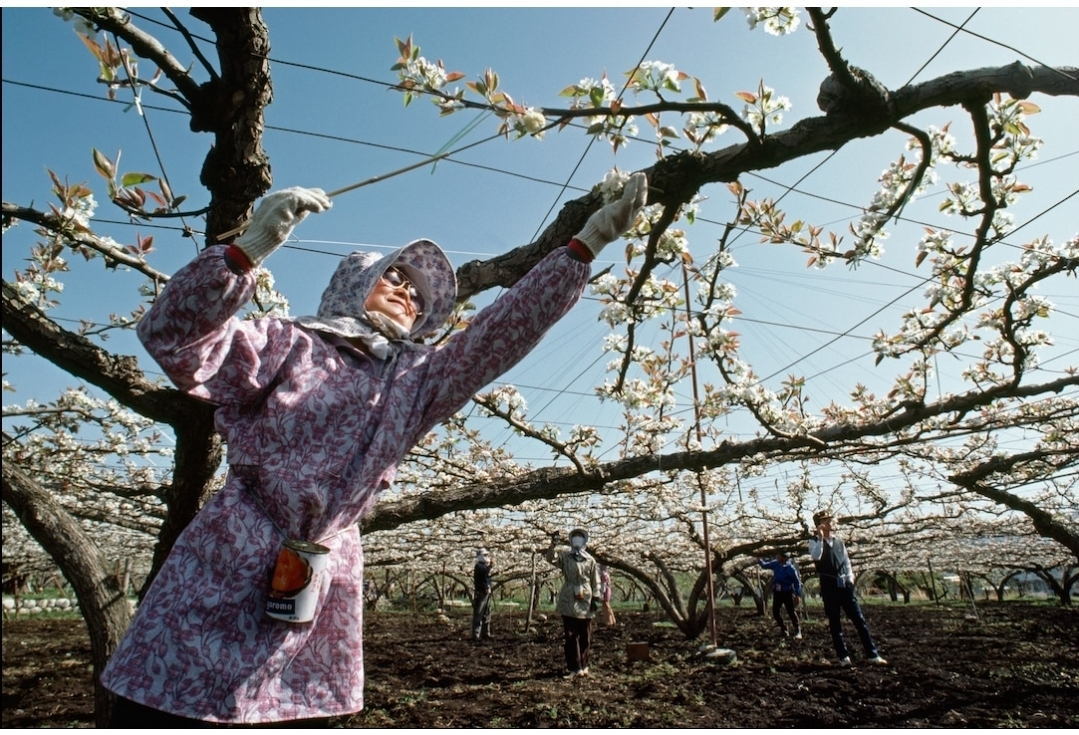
237 169
1047 524
114 255
117 375
552 482
681 176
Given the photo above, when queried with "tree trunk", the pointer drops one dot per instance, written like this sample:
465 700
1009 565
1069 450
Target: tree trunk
237 169
102 602
1062 591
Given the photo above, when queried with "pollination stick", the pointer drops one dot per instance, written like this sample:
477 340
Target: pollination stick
342 190
443 152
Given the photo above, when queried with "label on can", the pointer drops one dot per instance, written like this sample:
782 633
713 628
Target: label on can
296 582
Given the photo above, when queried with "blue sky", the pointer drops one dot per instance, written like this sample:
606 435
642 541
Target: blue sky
328 128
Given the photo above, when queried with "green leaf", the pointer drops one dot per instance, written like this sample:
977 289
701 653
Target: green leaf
134 179
719 13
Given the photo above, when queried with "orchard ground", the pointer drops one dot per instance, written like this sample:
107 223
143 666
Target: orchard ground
1016 664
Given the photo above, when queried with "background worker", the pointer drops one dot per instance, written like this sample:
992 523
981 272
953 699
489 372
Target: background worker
786 591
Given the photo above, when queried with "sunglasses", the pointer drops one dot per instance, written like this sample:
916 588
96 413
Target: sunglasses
396 279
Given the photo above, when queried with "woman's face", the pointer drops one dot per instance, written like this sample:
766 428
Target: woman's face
396 297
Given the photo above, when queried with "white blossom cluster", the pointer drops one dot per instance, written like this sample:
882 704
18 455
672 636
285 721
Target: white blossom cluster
102 463
614 181
656 76
82 26
658 296
705 127
765 108
1000 310
1007 118
423 73
530 122
589 93
776 21
36 287
267 300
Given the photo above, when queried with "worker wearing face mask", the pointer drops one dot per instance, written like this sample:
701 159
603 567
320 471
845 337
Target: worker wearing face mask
578 599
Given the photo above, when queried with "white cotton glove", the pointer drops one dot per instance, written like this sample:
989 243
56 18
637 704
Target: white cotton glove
614 219
275 217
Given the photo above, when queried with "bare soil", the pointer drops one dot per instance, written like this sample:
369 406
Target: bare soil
1017 664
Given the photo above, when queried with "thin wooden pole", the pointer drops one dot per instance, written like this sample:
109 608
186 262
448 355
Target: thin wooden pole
700 483
532 593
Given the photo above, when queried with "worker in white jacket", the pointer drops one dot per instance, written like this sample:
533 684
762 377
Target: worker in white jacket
578 599
837 589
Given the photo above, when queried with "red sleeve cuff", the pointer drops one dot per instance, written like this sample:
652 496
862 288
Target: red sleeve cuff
237 260
580 251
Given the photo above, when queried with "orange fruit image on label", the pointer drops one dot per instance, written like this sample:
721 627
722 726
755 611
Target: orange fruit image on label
291 574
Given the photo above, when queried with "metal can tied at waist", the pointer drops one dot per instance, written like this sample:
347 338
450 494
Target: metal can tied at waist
297 580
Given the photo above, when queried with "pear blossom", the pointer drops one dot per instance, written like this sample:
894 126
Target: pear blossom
533 121
655 76
777 21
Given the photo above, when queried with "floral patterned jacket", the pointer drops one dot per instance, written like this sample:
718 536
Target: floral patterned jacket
315 429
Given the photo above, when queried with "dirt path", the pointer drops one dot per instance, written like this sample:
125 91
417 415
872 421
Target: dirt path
1018 665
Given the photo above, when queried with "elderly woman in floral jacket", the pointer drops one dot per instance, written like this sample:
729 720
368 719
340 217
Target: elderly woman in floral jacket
317 412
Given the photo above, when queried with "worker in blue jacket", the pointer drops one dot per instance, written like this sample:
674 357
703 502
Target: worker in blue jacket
786 588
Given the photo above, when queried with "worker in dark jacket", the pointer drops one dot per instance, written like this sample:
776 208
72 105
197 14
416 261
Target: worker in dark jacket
481 598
